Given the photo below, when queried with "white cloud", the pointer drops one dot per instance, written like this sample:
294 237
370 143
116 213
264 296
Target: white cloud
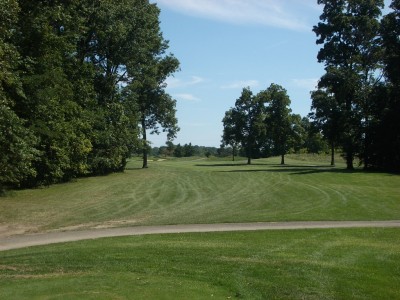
173 82
306 83
187 97
241 84
288 14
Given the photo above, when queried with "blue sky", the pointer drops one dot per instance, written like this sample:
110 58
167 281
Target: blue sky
226 45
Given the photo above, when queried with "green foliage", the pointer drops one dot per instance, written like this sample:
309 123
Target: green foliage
262 124
146 83
66 90
351 53
385 128
280 128
243 123
17 149
16 141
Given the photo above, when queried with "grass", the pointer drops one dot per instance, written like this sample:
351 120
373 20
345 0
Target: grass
206 191
296 264
303 264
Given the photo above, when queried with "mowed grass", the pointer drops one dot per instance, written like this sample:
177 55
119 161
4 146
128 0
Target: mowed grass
206 191
302 264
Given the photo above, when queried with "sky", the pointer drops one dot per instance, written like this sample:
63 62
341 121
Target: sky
226 45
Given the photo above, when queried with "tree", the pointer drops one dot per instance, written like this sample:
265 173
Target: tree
230 135
146 90
386 131
49 105
327 118
178 151
243 123
119 38
188 150
17 143
278 119
349 34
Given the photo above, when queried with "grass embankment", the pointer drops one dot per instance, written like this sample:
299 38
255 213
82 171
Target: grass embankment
304 264
206 191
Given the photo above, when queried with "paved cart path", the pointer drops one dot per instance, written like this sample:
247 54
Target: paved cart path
28 240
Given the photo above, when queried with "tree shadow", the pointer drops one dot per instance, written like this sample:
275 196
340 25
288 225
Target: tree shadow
233 165
290 169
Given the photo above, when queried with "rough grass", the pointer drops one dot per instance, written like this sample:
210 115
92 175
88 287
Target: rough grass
303 264
206 191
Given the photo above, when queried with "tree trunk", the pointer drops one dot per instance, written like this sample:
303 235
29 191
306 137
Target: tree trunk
332 154
282 159
349 160
233 153
249 155
145 166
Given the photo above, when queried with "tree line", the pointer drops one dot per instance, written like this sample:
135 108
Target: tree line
357 102
186 150
263 125
81 83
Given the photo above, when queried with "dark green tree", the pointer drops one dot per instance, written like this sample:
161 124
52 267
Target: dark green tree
17 143
349 33
188 150
146 86
49 106
327 118
243 123
278 120
298 134
230 135
178 151
386 130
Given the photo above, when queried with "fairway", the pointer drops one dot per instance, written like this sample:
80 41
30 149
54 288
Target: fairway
310 263
205 191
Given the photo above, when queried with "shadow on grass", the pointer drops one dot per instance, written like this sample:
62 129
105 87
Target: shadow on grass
291 169
233 165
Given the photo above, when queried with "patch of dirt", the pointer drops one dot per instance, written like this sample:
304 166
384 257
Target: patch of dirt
11 229
104 225
120 223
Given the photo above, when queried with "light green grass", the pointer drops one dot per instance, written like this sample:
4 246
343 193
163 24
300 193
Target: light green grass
203 191
303 264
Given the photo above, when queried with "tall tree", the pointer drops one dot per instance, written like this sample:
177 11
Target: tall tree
119 38
49 105
278 119
146 84
298 134
349 33
386 141
327 118
243 123
230 135
17 143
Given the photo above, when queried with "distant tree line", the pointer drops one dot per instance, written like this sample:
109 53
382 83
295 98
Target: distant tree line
357 103
80 83
186 150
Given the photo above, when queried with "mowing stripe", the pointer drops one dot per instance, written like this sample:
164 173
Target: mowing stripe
22 241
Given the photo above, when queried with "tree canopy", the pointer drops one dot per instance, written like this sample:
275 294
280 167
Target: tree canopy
66 68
